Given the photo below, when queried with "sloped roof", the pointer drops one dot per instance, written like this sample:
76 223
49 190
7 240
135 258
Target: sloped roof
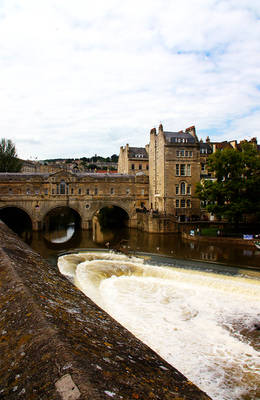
137 152
172 136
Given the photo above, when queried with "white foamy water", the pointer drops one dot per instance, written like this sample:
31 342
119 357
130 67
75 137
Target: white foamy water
195 320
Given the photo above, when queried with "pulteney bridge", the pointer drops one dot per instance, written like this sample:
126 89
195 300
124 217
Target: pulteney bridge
86 193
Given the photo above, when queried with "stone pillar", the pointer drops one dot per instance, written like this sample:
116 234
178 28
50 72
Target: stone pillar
86 225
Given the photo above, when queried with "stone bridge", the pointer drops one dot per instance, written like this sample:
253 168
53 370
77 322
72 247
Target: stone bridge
86 193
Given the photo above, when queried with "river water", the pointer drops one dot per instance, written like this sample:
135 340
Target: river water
195 304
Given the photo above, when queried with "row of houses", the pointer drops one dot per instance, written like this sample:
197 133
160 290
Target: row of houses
175 162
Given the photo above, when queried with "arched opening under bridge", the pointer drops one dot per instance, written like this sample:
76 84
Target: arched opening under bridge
18 220
108 223
61 224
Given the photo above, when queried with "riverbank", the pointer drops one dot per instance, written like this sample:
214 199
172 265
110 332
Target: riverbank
219 239
57 344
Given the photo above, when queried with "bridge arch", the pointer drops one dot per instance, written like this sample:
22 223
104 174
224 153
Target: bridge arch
16 217
63 209
99 207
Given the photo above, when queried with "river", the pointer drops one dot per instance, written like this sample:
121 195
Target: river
195 304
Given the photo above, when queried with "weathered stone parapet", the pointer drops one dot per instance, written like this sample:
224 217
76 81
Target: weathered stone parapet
56 343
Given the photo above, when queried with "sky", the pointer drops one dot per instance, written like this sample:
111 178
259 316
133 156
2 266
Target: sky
82 77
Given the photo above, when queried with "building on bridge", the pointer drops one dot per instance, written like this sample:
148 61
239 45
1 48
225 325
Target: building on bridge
154 185
86 193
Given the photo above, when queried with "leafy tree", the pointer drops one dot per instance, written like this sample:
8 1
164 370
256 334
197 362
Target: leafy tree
8 157
114 158
236 188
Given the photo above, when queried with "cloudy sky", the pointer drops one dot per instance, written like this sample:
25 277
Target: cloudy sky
83 77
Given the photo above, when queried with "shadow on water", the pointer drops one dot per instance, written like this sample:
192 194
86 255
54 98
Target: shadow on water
62 234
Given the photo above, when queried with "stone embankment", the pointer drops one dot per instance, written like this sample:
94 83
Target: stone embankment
55 343
219 239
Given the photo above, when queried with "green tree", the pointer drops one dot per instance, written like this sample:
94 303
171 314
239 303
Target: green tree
114 158
235 191
8 157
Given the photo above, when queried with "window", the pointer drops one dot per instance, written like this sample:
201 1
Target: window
182 203
132 166
182 153
112 191
45 191
53 191
10 191
140 166
27 191
188 170
72 190
188 203
189 189
190 153
127 191
87 192
177 189
182 169
147 167
177 203
203 167
62 187
142 192
96 191
79 191
178 153
186 153
183 188
177 169
36 191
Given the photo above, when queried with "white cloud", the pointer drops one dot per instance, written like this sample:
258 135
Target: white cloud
82 78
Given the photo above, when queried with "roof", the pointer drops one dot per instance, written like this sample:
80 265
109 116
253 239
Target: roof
205 148
179 137
137 152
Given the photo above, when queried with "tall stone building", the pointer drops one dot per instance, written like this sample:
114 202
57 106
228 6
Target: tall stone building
174 170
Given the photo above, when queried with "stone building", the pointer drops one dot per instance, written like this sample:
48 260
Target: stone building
133 160
174 170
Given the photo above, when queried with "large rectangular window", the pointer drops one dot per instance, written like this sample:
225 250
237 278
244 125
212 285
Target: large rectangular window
177 169
177 189
182 169
188 170
182 203
177 203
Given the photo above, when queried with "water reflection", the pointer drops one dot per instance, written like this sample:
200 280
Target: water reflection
62 234
132 240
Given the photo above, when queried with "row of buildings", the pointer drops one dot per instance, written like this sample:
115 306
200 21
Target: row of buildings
175 162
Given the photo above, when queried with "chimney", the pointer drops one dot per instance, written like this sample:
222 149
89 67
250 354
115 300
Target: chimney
192 131
207 139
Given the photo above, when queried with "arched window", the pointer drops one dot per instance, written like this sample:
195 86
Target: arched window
183 188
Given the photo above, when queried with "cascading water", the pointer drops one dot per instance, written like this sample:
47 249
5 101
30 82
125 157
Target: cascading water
201 323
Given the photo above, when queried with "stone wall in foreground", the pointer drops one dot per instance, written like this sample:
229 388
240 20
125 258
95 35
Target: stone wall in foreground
55 343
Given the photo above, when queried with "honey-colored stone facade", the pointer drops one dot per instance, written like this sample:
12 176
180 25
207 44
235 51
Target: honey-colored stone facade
86 193
174 171
133 160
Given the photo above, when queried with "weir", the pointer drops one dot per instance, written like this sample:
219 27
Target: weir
57 344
